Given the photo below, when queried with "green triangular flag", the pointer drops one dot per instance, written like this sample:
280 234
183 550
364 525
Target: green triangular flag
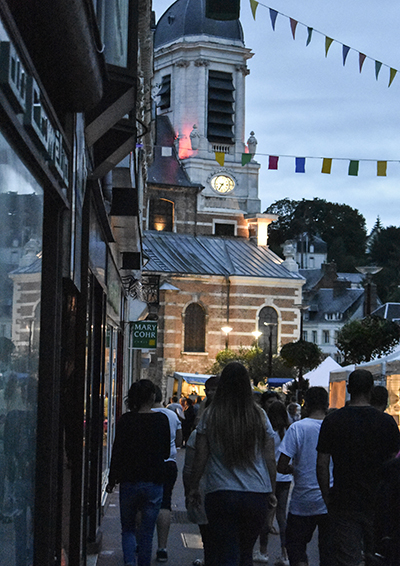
246 158
310 30
254 6
353 168
393 73
328 43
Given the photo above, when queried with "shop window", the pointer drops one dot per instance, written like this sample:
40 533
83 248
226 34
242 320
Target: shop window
195 328
21 217
268 326
220 108
161 215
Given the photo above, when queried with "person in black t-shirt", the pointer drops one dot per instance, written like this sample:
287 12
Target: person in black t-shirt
142 443
360 439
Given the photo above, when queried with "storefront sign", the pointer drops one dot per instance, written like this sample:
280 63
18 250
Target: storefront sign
143 334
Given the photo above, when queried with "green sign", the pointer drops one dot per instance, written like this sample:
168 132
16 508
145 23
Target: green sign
144 334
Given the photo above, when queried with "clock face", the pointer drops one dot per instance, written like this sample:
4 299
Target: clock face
223 184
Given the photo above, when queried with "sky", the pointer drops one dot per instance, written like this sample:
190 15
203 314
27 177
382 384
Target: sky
301 103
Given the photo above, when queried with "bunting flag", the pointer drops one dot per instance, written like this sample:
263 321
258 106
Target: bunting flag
273 14
246 158
273 162
293 26
309 36
328 40
328 43
346 50
326 165
378 66
300 164
220 158
353 167
254 6
362 58
381 168
393 73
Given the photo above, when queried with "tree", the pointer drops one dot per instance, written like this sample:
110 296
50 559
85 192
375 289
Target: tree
303 356
384 250
362 340
340 226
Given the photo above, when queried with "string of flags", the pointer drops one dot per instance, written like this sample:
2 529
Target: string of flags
300 163
328 41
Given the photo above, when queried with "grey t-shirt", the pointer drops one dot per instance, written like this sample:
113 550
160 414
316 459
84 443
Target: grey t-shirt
218 477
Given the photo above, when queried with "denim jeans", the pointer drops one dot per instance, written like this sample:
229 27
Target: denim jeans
145 497
235 520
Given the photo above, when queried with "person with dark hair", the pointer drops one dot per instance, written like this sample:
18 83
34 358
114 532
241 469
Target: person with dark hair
142 443
269 397
210 388
188 422
170 476
359 439
278 417
379 398
235 451
307 509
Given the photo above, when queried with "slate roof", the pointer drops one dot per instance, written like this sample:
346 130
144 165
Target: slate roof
389 311
211 255
326 301
186 18
167 170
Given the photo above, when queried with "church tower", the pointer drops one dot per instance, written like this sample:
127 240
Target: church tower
200 70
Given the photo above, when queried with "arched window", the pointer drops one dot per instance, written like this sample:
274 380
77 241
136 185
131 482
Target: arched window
161 215
268 326
195 328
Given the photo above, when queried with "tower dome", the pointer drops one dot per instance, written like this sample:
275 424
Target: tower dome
186 18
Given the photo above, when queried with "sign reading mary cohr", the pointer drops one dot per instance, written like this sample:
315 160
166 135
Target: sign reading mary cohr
144 334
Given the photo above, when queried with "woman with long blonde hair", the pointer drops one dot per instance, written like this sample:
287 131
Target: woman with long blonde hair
235 451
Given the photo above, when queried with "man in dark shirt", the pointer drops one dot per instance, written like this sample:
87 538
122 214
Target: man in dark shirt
360 439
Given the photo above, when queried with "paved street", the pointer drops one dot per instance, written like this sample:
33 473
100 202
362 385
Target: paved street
184 543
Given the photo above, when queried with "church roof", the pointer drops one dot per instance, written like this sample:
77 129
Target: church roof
186 18
169 252
167 169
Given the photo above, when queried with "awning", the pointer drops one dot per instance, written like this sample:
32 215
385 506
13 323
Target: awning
278 380
192 378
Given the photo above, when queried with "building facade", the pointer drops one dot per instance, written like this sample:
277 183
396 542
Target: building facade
74 119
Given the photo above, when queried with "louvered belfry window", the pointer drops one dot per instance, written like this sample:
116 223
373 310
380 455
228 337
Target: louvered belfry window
165 93
220 108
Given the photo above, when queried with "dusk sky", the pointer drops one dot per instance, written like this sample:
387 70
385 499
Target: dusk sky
303 104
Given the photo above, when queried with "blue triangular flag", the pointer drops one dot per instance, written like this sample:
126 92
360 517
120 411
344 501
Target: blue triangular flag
346 50
273 15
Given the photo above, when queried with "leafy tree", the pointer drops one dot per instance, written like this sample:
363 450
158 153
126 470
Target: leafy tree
340 226
384 250
302 355
362 340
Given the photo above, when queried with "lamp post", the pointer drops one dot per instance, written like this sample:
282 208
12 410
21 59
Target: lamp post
226 330
270 324
368 271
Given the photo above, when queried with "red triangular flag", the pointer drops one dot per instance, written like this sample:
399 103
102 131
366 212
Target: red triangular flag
362 58
293 26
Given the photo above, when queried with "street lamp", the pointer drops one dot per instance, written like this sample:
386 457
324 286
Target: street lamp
226 330
256 334
368 271
270 324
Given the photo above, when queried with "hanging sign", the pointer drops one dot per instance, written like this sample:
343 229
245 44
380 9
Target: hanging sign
144 334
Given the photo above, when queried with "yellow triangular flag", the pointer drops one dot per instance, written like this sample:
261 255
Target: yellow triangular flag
254 6
381 168
328 43
220 158
326 165
393 73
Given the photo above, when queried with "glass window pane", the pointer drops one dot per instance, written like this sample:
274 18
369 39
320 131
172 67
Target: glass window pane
116 20
21 212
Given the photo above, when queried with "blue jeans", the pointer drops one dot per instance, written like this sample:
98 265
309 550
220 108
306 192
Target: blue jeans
145 497
235 520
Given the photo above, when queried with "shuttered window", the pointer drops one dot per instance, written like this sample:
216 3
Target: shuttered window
195 328
220 108
165 93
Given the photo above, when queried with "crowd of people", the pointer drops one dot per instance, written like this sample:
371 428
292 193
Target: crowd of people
250 459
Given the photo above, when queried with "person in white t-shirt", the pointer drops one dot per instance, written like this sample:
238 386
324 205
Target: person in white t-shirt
171 473
307 509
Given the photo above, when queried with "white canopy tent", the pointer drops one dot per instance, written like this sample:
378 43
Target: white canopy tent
320 375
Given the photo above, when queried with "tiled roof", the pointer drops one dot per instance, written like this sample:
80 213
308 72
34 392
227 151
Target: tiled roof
326 301
211 255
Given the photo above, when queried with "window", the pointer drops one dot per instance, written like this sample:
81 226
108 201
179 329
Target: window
195 328
113 20
224 229
333 316
220 108
161 215
326 336
305 335
165 93
314 336
268 325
